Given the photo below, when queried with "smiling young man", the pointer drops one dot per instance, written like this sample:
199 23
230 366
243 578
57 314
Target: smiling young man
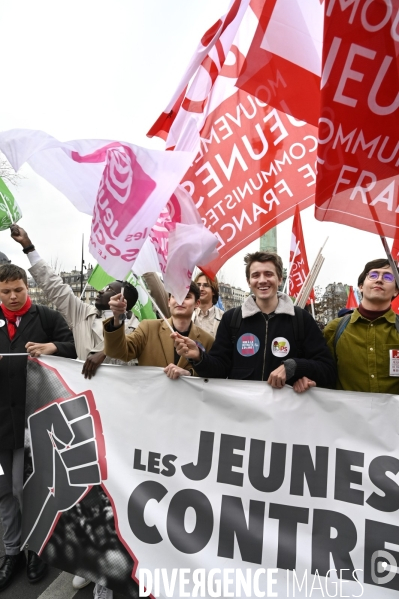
267 339
33 330
365 343
151 342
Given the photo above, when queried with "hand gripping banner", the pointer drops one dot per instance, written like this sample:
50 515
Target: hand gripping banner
211 488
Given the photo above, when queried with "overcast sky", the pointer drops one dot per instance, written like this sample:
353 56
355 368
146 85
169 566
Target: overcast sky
99 69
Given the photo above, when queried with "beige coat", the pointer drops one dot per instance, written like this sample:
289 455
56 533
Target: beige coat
150 343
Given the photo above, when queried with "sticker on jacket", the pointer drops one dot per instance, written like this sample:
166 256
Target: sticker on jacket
280 347
248 345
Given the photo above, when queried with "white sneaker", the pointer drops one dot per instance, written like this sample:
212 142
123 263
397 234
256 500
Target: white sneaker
79 582
101 592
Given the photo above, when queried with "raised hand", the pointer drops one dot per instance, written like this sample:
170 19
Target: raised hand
20 235
118 305
68 457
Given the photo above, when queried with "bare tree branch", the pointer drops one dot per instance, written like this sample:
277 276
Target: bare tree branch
7 172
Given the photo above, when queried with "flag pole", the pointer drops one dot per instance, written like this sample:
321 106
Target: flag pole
391 261
310 280
84 290
154 303
81 269
290 266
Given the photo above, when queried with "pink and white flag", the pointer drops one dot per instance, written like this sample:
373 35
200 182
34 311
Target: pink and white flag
125 187
177 242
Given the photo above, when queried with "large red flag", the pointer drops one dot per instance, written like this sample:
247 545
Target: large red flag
358 153
298 259
254 162
267 80
352 94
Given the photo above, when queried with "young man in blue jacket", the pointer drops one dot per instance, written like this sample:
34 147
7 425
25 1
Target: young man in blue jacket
269 341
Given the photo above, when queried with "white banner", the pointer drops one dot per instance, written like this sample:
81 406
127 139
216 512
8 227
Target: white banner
217 488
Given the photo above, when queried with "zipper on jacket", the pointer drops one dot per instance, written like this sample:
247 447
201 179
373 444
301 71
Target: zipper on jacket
264 351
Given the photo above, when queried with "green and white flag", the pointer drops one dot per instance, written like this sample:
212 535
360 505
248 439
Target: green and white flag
143 307
99 278
10 212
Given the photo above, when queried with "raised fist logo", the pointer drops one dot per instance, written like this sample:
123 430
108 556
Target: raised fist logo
68 455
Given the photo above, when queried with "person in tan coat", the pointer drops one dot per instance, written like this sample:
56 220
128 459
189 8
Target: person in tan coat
151 342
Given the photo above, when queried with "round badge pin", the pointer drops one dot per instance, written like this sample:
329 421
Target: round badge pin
248 345
280 347
2 322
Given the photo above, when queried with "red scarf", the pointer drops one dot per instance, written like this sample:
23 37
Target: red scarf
12 315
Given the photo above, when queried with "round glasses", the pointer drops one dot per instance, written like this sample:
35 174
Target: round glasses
374 275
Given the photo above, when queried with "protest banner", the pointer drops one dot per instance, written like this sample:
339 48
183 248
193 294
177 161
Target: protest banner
212 488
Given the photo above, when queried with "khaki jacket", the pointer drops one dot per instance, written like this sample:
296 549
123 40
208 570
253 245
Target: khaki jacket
150 343
362 353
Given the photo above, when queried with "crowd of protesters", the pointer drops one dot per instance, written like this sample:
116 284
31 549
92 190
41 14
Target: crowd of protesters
266 339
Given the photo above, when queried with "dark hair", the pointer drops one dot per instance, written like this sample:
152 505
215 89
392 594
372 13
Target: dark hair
11 272
213 283
379 263
130 294
263 257
194 289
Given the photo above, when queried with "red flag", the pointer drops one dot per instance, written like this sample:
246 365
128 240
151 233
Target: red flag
298 259
395 248
254 162
395 304
351 301
358 153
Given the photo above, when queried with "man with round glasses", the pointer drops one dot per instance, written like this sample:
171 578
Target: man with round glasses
365 344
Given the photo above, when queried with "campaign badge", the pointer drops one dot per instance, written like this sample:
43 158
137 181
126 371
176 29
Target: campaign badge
280 347
2 323
394 362
248 345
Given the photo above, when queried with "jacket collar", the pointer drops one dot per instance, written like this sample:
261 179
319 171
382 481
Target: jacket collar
284 306
167 343
390 316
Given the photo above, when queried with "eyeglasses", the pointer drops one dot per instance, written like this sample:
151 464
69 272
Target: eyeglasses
374 275
205 285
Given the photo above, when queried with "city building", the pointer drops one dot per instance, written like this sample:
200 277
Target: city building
73 278
231 296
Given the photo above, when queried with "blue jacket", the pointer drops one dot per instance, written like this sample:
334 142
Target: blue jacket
264 342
